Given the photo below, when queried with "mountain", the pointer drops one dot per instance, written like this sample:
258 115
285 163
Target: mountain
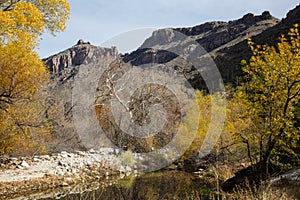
214 37
64 67
226 43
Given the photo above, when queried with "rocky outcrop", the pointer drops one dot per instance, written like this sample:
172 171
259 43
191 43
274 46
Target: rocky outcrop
212 36
63 65
228 58
64 68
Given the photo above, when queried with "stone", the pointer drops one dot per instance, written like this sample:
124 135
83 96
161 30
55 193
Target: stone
92 151
80 42
64 184
128 169
35 159
122 169
61 163
60 173
24 164
64 155
20 167
69 180
45 157
81 153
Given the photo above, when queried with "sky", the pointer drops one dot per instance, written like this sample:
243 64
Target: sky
101 22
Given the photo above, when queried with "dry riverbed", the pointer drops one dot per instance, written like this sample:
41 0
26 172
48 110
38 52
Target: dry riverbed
29 175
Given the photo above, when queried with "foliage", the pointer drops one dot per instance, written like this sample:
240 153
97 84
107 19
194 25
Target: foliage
233 124
25 19
21 111
23 123
271 91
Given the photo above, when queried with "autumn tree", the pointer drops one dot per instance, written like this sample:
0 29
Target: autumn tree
227 107
22 73
271 91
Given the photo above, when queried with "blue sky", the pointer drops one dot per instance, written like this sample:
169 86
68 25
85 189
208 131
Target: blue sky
97 21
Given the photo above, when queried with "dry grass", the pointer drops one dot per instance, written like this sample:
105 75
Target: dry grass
263 193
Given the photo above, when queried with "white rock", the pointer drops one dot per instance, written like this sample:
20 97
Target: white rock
20 167
64 184
60 173
69 180
117 151
45 157
106 150
64 155
128 169
24 164
89 163
81 153
92 151
122 169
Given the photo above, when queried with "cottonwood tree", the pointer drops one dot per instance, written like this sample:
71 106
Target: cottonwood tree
271 91
22 73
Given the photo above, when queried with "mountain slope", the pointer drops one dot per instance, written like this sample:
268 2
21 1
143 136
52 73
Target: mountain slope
212 36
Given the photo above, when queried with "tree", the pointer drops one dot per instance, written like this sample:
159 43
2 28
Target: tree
28 18
271 91
22 73
228 143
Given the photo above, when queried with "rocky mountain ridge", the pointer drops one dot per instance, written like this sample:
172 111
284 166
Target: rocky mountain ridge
64 64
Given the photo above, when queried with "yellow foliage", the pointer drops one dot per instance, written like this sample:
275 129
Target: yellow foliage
25 20
233 124
22 74
272 90
23 123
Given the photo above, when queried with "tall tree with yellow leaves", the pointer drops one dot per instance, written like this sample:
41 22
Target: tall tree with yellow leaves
22 73
271 91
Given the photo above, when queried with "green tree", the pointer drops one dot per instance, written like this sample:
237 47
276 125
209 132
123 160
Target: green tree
22 73
271 91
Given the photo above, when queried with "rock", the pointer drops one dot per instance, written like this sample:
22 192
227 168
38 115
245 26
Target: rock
89 163
81 153
128 169
69 180
14 160
65 154
70 155
107 150
117 151
45 157
122 176
80 42
122 169
61 163
64 184
60 173
35 159
92 151
24 164
20 167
